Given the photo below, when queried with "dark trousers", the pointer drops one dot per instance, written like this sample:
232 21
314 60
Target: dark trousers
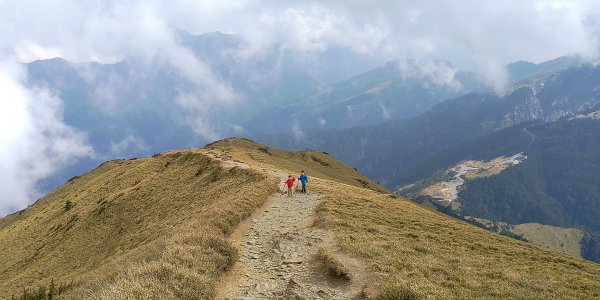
303 188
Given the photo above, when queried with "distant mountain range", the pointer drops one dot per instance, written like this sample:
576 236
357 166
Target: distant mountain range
388 152
522 70
131 108
394 90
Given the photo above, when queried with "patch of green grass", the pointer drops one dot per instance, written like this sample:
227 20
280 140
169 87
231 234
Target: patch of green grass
563 239
264 150
52 291
68 205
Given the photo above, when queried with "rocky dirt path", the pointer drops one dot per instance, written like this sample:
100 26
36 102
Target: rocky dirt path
278 249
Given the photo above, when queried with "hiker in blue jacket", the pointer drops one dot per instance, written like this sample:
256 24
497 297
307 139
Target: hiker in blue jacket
304 180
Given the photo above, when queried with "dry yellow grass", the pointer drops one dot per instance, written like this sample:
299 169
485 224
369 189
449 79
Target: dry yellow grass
415 252
316 164
153 226
421 253
156 228
163 219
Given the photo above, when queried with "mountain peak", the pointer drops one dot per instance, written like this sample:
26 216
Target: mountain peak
521 70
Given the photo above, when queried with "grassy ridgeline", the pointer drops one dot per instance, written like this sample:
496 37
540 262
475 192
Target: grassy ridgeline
155 226
150 226
415 252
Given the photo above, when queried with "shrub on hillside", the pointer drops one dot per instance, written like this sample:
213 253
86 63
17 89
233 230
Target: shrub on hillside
45 293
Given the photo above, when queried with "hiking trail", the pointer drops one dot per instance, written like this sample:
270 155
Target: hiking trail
278 249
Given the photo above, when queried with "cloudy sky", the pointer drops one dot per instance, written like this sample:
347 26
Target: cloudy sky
480 36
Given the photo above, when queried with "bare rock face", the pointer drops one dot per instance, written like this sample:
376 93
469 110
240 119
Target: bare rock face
528 110
552 97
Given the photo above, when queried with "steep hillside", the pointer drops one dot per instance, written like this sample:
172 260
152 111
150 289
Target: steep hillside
557 183
415 253
167 227
126 212
409 250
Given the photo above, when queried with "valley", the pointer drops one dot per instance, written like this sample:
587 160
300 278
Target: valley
447 191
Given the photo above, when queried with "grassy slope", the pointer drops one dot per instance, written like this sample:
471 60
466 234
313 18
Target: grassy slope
162 220
567 240
165 220
412 250
173 210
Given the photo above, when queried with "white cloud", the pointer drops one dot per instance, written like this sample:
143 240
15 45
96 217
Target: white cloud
315 28
297 131
34 141
238 129
127 144
477 35
28 51
431 26
436 71
107 32
385 114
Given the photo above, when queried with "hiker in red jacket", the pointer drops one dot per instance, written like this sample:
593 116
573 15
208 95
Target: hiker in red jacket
290 185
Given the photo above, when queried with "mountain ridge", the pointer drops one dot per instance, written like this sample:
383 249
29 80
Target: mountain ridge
397 89
198 197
